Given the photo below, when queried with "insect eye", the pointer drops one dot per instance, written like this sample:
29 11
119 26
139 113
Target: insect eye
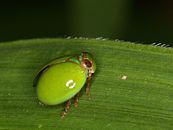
87 63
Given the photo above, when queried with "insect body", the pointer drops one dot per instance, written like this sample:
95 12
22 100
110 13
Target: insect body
62 79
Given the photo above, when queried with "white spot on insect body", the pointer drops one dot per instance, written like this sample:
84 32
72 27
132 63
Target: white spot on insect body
70 84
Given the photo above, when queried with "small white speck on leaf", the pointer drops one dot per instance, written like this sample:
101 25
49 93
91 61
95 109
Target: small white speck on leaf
69 37
39 126
104 39
81 38
116 40
124 77
99 38
40 103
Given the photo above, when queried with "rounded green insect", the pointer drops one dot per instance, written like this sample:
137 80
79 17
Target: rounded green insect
62 79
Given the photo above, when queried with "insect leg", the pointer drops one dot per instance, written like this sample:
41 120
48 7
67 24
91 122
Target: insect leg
76 99
67 106
88 87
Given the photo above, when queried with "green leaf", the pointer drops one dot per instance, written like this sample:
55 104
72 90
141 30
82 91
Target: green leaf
143 101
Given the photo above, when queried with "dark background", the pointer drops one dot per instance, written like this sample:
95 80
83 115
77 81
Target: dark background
142 21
